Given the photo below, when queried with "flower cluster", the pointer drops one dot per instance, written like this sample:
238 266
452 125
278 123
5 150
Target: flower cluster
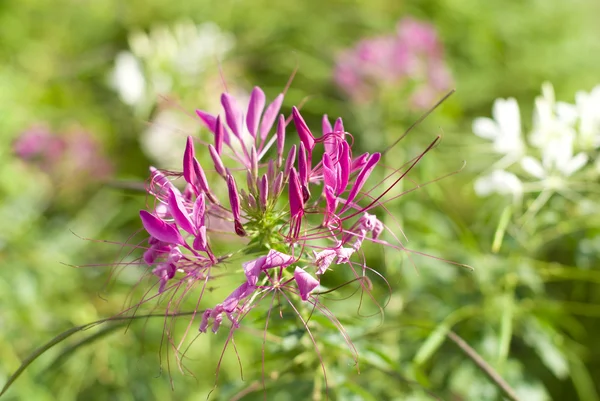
412 56
170 61
298 237
63 154
563 139
165 57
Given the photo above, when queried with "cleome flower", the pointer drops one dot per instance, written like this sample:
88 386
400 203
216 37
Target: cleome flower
295 212
295 251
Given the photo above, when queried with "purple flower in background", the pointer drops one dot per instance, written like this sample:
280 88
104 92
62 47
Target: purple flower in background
412 58
63 155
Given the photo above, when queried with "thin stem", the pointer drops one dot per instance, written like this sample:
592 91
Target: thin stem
483 365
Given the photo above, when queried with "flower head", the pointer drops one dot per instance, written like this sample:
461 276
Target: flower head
413 56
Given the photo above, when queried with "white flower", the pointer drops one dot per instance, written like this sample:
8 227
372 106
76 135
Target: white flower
128 78
500 182
164 136
557 160
552 122
504 130
588 106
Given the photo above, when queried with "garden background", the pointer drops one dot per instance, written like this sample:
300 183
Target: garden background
530 307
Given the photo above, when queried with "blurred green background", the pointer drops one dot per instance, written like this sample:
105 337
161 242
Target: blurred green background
530 308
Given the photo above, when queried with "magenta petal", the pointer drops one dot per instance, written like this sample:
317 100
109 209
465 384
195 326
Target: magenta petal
219 135
263 191
345 161
256 106
198 211
233 114
200 241
329 173
326 125
269 117
188 156
207 118
234 198
302 165
338 126
253 268
362 178
160 230
179 213
295 194
359 162
162 181
276 259
303 132
217 160
280 138
306 283
289 162
232 301
199 176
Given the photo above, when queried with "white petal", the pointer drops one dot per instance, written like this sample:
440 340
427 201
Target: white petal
533 167
575 164
498 181
506 114
128 78
485 128
567 113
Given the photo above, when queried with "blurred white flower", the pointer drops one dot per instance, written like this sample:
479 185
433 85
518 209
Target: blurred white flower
500 182
557 161
504 129
163 139
552 123
128 79
166 57
588 107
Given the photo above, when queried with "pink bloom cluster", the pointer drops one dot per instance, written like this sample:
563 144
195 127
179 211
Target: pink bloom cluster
320 176
63 153
412 57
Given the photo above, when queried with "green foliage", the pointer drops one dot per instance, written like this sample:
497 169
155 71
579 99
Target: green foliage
530 308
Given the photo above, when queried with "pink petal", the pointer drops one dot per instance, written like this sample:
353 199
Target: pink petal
276 259
188 156
220 135
362 178
207 118
269 117
263 191
306 283
295 194
256 106
160 230
326 125
303 165
162 181
233 114
200 241
253 268
200 177
345 162
338 126
232 301
289 162
303 132
179 213
280 139
217 160
198 211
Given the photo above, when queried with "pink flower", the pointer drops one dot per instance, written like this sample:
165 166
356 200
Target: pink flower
412 56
